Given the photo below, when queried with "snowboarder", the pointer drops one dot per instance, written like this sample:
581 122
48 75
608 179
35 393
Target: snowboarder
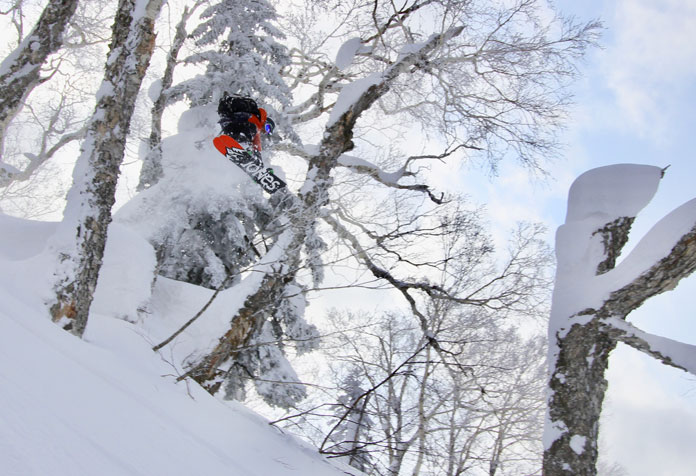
242 123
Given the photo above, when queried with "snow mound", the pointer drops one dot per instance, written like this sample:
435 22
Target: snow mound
620 190
348 50
108 404
125 282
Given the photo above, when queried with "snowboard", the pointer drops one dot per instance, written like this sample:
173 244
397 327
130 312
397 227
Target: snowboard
250 162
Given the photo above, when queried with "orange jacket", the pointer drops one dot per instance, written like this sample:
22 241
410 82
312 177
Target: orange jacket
259 123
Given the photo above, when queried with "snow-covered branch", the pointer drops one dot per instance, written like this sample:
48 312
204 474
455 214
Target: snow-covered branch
671 248
352 102
355 100
668 351
20 71
390 179
37 160
364 167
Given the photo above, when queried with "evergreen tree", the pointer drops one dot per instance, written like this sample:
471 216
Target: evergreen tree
239 47
398 64
354 420
208 236
211 238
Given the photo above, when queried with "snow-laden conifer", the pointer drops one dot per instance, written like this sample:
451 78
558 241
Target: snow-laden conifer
351 433
218 223
239 45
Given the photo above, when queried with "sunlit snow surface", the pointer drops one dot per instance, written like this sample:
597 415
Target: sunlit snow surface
107 404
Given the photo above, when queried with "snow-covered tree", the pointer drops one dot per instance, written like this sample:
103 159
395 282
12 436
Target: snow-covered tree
214 237
351 433
151 170
239 45
492 75
594 294
20 71
53 118
80 242
218 225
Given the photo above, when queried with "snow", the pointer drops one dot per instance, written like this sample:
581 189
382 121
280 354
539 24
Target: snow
155 89
200 178
411 48
552 431
9 169
350 93
108 404
124 284
577 443
386 177
106 89
680 353
657 243
596 198
146 9
620 190
76 407
347 51
22 239
10 60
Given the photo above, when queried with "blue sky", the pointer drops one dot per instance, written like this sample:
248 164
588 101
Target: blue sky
636 100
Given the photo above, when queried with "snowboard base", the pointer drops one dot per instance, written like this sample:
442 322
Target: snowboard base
249 162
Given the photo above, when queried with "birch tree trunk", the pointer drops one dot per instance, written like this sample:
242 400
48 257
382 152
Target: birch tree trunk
151 171
20 71
593 296
82 236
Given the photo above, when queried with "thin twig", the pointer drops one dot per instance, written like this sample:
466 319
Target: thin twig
198 314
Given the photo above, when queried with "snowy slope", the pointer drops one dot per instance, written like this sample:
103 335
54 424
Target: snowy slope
107 404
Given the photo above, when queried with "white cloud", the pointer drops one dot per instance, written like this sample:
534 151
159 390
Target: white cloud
646 427
651 60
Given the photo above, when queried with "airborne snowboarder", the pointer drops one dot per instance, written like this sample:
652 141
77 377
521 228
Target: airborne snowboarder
243 123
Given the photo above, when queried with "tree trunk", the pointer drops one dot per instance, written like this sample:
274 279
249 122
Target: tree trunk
82 235
20 71
577 383
578 387
151 171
